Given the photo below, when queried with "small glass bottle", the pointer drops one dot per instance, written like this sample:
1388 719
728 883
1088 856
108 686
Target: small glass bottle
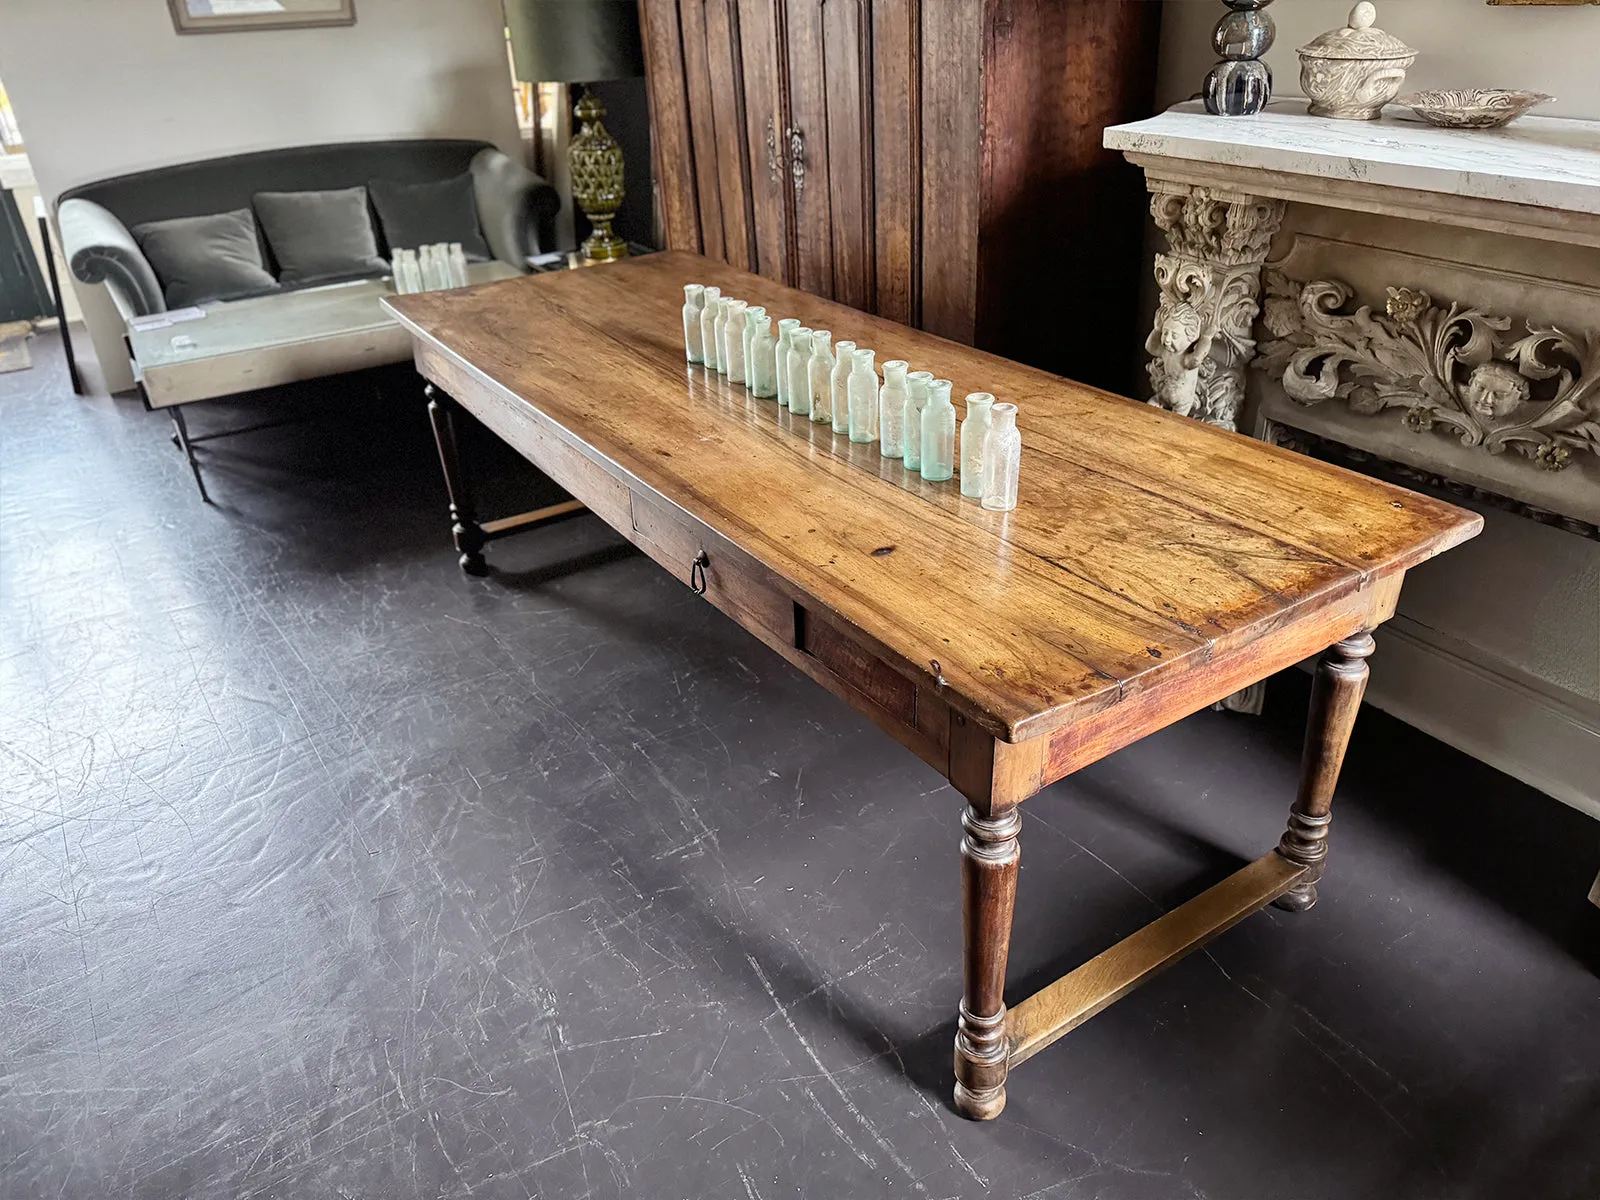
973 430
763 357
438 271
844 357
800 372
458 265
916 400
786 328
892 410
938 433
1002 459
863 397
751 315
721 330
694 299
708 326
820 370
735 339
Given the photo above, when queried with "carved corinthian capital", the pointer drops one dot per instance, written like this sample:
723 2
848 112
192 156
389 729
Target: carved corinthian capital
1210 281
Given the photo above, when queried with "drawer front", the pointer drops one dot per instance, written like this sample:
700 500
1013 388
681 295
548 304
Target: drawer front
731 580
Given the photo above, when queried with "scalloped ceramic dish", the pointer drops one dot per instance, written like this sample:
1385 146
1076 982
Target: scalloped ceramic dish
1472 108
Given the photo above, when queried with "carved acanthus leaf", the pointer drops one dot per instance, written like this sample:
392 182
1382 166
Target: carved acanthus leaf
1454 368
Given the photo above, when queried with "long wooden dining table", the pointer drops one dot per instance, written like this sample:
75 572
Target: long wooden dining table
1153 565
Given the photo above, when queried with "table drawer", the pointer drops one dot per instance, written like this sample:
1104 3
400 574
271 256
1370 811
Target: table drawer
729 578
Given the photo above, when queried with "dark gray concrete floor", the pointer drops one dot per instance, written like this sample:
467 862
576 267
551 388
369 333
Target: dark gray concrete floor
326 871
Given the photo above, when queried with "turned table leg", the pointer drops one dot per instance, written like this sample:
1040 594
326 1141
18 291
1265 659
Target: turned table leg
989 858
463 526
1335 697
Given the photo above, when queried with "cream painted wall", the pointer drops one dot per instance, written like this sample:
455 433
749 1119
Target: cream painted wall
1463 43
103 87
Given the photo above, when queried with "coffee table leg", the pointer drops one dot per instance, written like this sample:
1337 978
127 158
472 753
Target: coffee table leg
181 428
463 526
1335 697
989 856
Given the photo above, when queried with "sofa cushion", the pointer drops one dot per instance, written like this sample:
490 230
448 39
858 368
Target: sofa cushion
199 259
320 235
415 214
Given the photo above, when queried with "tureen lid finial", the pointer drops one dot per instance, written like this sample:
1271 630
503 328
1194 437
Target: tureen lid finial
1363 15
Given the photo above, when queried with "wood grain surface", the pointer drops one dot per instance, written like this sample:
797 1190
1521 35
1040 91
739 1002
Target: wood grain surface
1144 545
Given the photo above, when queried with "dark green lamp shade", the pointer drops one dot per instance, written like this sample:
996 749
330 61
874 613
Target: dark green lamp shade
574 41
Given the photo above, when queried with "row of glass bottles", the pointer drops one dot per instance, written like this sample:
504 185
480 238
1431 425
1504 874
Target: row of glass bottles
910 415
433 268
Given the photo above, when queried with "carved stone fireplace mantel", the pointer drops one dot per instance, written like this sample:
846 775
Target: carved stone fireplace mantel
1422 303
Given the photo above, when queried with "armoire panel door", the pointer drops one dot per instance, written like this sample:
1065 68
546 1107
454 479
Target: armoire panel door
766 118
671 139
897 159
847 65
724 60
703 126
807 147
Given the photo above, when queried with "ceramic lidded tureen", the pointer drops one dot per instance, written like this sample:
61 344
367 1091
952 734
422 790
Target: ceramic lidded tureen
1353 72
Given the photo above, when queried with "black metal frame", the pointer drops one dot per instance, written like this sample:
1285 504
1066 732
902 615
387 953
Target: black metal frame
61 308
469 534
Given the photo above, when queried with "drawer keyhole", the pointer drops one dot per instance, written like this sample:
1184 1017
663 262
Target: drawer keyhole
697 573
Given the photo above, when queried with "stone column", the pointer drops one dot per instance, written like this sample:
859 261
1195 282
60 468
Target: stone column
1210 281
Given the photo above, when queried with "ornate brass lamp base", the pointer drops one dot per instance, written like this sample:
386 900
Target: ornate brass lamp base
597 180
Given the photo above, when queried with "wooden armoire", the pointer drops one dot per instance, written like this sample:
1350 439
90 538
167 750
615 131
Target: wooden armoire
934 161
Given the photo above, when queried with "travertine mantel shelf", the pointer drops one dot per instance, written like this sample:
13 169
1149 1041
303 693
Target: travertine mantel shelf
1539 163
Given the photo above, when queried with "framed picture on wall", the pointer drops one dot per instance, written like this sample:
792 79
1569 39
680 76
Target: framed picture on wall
233 16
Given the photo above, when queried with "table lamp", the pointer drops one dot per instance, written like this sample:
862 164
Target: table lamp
582 41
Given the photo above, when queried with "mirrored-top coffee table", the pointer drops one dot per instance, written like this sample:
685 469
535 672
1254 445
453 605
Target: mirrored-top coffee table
268 341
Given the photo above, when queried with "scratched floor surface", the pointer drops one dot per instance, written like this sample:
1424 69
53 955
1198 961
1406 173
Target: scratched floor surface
326 871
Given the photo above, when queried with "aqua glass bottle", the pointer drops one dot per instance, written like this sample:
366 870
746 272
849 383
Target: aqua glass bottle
863 391
973 430
786 328
694 299
763 357
844 358
800 372
734 340
751 315
1002 459
725 308
916 400
820 370
708 326
938 433
892 409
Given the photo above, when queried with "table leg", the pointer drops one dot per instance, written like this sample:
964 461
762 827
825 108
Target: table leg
463 526
989 856
1335 697
181 435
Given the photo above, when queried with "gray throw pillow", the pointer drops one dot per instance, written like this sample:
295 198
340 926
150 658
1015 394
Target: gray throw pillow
199 259
320 235
416 214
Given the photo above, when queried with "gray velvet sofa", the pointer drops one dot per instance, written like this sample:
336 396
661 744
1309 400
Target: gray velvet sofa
515 207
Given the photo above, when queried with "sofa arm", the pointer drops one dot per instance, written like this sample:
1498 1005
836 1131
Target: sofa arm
99 249
516 208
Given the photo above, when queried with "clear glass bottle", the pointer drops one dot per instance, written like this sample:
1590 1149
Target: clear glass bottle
820 370
458 265
786 328
844 358
892 409
916 400
708 326
721 327
863 397
751 315
800 372
763 357
1002 459
973 430
735 340
938 433
694 299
